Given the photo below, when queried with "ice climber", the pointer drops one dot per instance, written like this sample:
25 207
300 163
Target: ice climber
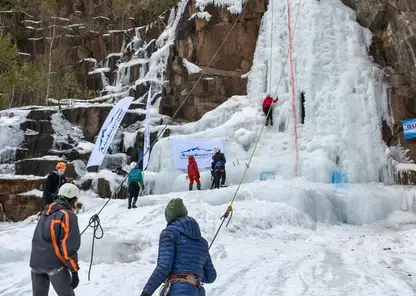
55 244
193 173
183 262
219 163
135 182
267 107
52 184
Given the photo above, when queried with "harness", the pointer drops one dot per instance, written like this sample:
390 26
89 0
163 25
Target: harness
189 278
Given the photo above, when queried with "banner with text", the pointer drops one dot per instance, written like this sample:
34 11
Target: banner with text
202 150
409 128
108 131
146 144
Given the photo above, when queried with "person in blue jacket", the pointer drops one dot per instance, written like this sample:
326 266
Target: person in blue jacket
135 182
183 262
219 163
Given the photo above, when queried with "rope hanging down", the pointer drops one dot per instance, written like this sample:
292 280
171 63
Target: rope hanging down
229 210
95 221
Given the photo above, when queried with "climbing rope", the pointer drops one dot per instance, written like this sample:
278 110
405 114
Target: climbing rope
229 211
95 224
96 219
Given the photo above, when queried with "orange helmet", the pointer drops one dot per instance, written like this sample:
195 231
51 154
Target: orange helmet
60 165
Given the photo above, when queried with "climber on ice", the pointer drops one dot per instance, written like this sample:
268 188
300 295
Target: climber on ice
267 107
135 182
183 262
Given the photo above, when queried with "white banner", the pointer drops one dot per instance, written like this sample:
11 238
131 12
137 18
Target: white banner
203 150
146 144
108 131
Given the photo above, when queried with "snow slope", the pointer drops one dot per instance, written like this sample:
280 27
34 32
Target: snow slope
285 238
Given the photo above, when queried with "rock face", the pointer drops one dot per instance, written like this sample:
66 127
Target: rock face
91 119
197 41
393 23
18 206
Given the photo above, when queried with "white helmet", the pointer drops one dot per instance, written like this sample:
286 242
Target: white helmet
217 149
69 191
133 165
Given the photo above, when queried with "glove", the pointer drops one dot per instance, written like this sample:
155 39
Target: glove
186 177
75 280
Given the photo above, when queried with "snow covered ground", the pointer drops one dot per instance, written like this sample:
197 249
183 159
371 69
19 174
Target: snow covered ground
288 235
285 238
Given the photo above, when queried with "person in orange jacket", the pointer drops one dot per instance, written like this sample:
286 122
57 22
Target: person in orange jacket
193 173
267 107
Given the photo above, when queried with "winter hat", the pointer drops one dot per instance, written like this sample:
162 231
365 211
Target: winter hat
191 157
175 209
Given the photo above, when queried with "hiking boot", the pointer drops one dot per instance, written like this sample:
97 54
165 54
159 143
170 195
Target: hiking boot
134 207
129 207
198 186
191 186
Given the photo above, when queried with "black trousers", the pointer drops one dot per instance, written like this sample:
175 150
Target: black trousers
134 190
59 278
219 175
270 117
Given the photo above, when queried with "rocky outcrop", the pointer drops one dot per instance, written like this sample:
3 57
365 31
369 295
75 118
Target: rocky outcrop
90 119
197 41
16 204
42 167
393 23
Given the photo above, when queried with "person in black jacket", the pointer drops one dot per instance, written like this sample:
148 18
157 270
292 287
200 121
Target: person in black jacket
55 245
52 184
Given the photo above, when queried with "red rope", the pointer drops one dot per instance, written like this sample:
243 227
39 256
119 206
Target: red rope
292 77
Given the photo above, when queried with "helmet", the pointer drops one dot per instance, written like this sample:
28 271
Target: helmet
61 165
217 149
133 165
69 191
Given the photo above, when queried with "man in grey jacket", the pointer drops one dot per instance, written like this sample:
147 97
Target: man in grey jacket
55 245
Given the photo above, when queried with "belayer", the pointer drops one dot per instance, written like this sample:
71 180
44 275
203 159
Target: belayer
55 245
183 262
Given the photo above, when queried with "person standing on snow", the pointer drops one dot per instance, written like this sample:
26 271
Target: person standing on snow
219 159
267 107
52 184
183 262
55 245
135 182
193 173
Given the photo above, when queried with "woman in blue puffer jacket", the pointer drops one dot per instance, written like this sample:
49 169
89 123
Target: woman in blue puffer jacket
183 263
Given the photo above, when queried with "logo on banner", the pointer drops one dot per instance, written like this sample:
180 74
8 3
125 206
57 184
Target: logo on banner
109 129
197 152
409 128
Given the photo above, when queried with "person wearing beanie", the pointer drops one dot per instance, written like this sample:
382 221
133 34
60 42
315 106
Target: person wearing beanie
184 262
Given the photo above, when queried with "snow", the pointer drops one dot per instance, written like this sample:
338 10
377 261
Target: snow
288 235
129 139
63 129
99 70
192 68
304 248
85 147
34 192
233 6
406 167
11 136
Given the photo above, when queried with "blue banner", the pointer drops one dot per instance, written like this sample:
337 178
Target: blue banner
409 128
